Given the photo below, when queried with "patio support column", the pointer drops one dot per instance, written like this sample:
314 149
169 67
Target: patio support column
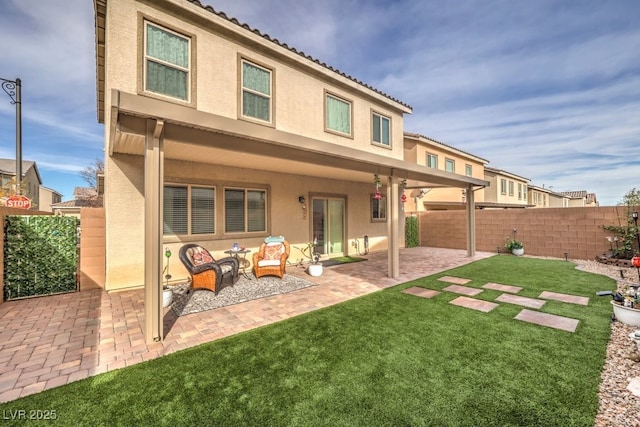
393 228
153 196
471 222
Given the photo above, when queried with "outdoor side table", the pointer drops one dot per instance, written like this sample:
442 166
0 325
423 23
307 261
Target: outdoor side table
243 262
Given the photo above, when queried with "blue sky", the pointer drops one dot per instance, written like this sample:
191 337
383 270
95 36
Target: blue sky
549 90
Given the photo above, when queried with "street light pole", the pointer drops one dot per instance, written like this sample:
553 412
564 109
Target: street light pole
13 88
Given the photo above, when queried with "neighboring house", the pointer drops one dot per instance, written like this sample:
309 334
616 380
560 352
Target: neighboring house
31 180
216 133
47 198
541 197
433 154
83 197
506 190
581 198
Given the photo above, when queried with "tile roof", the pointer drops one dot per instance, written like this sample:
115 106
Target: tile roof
294 50
503 172
575 194
419 136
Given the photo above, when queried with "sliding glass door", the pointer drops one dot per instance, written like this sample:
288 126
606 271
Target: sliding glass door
328 225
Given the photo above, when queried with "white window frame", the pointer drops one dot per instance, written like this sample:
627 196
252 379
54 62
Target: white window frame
381 117
243 89
349 103
512 188
435 158
503 186
468 170
448 162
169 65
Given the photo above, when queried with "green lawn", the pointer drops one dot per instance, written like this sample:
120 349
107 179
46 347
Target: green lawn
385 359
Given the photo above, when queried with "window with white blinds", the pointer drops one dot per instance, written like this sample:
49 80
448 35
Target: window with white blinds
245 210
189 210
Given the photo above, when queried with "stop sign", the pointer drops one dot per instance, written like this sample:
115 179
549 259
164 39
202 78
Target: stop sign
18 201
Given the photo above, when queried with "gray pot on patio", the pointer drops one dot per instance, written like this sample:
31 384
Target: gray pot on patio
518 252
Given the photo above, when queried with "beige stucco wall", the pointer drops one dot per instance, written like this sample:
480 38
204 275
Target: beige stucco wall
47 197
125 232
298 95
493 193
416 152
298 100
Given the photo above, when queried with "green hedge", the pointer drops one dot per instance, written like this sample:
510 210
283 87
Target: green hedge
411 232
40 255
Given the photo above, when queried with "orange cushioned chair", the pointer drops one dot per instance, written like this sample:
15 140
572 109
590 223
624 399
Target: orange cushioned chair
271 259
206 272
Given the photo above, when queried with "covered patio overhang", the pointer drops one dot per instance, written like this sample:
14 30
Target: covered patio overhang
160 131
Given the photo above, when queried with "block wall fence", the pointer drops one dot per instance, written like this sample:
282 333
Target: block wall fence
545 232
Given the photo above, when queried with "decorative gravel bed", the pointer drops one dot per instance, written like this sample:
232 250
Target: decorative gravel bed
243 290
618 407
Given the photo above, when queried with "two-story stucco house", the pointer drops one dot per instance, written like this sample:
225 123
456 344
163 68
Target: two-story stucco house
437 155
30 180
506 189
216 133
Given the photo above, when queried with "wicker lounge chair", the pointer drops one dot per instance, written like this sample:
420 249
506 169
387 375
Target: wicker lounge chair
271 259
205 271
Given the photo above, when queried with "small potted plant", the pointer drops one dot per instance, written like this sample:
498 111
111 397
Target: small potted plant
515 246
315 268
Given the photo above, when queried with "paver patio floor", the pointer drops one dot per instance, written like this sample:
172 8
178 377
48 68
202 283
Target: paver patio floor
50 341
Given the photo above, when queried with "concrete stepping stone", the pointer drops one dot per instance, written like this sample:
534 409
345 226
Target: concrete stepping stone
456 280
474 304
520 300
549 320
464 290
573 299
502 288
421 292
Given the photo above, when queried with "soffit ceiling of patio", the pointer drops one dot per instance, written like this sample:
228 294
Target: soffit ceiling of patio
193 135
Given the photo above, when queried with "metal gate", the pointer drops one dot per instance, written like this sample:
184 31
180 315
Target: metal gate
40 255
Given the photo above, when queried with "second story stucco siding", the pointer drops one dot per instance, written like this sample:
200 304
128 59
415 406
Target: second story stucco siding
298 88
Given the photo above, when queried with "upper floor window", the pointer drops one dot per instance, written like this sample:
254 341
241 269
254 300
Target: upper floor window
166 62
189 210
519 191
511 188
503 186
468 170
256 91
338 114
450 165
245 210
381 129
432 161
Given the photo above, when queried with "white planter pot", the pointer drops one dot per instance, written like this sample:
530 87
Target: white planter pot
315 270
167 297
626 315
518 252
